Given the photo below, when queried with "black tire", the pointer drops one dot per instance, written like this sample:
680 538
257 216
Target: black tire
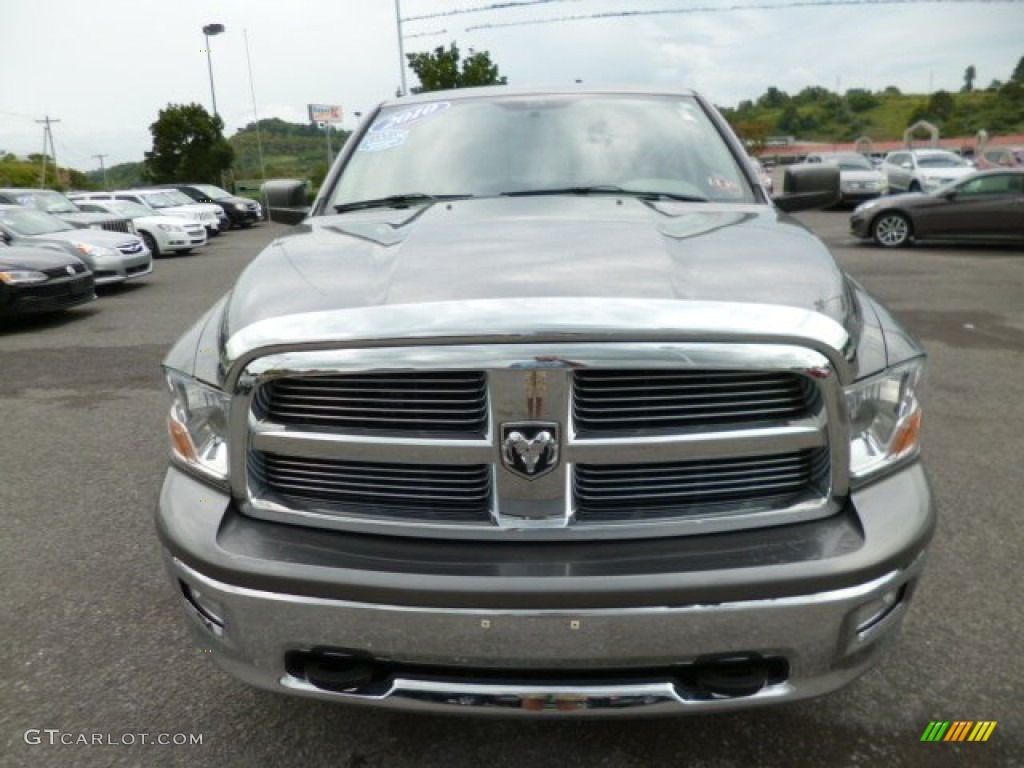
150 242
914 187
892 229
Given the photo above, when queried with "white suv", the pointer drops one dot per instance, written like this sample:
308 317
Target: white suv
163 234
162 202
923 170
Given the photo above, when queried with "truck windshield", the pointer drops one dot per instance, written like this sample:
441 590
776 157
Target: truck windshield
501 145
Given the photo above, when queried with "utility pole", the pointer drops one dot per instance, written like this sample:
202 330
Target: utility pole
401 46
103 168
48 137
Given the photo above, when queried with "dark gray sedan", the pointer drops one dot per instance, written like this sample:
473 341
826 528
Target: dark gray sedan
985 206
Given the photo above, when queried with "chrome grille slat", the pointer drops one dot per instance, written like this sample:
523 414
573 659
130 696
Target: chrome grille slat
371 488
443 403
607 492
609 401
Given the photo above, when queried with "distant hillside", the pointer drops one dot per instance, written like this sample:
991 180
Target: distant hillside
29 173
290 150
817 114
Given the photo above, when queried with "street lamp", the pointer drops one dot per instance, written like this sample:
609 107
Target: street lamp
210 30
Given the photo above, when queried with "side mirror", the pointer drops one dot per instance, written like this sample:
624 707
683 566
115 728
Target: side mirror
805 187
286 200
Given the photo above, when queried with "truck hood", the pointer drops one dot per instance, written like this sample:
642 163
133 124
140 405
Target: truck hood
518 249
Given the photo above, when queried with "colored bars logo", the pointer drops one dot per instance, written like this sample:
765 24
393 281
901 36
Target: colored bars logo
958 730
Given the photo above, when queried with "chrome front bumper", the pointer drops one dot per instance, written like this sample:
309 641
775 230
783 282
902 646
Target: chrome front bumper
825 639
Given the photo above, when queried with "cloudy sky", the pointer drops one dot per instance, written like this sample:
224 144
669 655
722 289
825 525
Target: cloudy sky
105 68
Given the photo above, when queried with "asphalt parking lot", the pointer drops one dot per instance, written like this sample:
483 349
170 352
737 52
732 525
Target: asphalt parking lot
95 643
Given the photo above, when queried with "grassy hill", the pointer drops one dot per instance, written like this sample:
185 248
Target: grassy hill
816 114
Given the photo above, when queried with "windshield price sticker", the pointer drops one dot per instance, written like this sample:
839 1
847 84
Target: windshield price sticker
409 116
378 141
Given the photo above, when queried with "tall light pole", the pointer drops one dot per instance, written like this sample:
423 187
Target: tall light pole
401 46
209 31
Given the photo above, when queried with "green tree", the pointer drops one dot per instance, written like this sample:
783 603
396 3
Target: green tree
860 99
970 75
188 145
942 105
1018 72
773 98
440 70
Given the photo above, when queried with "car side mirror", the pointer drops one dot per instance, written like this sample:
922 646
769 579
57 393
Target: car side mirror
286 200
805 187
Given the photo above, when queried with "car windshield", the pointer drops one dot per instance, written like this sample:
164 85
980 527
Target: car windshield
28 222
178 198
210 191
852 163
586 144
51 202
944 160
162 200
128 208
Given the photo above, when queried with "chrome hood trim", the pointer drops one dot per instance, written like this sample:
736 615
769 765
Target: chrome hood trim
537 320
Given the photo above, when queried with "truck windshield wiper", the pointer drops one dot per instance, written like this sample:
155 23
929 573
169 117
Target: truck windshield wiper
607 189
396 201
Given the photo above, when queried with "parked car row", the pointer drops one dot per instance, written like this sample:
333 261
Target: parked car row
57 248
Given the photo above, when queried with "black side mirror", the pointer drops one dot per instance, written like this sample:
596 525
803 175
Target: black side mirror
286 200
805 187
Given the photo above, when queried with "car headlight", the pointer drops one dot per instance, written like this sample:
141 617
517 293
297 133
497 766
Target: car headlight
866 206
93 250
240 207
885 419
22 277
197 426
171 228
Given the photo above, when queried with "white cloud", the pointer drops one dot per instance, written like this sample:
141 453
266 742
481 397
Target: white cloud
108 66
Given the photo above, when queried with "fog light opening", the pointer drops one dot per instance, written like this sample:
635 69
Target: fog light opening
871 614
207 610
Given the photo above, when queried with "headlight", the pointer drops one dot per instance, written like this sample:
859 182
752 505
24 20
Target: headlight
885 418
241 207
22 277
171 228
93 250
198 426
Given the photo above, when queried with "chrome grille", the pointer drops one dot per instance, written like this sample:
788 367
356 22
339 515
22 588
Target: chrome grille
614 401
449 403
655 441
642 491
123 225
421 491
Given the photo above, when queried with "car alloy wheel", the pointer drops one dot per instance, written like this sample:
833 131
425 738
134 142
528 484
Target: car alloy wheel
891 230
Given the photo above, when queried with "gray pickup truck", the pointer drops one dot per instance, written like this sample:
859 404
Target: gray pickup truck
546 408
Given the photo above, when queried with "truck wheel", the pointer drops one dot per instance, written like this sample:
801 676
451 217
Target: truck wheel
150 242
891 230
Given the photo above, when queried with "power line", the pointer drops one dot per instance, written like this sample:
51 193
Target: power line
721 9
427 34
481 8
